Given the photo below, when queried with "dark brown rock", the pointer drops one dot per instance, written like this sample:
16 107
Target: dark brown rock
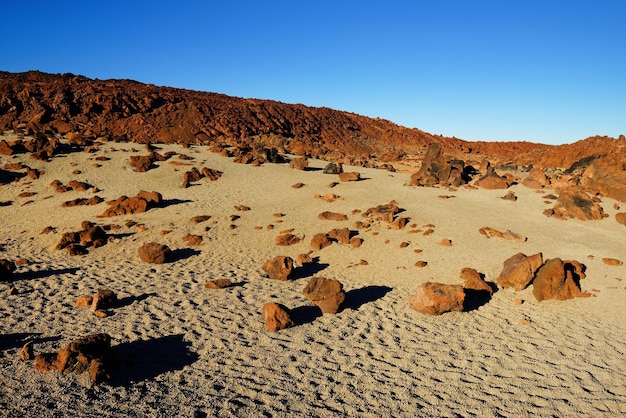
7 268
333 168
287 239
519 270
155 253
327 294
438 298
299 163
384 213
104 299
193 240
436 170
279 268
27 352
142 163
573 203
492 180
276 316
218 284
341 235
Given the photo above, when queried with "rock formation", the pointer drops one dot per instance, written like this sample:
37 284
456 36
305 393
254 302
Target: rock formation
155 253
327 294
559 280
519 270
279 268
437 298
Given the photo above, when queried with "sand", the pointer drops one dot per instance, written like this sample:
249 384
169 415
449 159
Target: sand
184 350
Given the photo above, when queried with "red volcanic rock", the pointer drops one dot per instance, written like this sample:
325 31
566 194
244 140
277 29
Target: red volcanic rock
320 241
612 262
491 180
89 354
128 205
510 235
211 174
327 294
82 201
621 218
79 186
473 280
299 163
573 203
304 259
349 176
536 179
7 268
332 216
84 301
287 239
606 175
356 242
279 268
437 298
399 223
558 280
519 270
104 299
218 284
276 317
154 253
93 236
142 163
342 235
193 240
382 212
191 176
435 170
200 218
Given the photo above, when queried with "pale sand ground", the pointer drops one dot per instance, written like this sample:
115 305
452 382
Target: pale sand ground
190 351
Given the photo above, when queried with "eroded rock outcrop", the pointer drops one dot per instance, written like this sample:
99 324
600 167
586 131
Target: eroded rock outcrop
125 205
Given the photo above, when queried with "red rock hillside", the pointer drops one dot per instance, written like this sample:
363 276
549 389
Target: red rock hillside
79 107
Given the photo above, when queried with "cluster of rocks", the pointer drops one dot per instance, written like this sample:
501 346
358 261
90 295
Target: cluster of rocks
327 294
77 242
577 204
125 205
143 163
90 354
552 279
40 146
196 175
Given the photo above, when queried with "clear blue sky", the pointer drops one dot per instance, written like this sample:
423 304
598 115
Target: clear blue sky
543 71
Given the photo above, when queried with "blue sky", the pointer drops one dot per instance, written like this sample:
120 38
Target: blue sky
542 71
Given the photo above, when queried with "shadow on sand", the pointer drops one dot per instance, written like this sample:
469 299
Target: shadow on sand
146 359
31 275
17 340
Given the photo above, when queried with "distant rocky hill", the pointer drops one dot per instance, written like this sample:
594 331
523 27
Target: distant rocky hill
77 106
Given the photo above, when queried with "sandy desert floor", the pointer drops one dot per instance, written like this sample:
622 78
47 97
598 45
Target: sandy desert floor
184 350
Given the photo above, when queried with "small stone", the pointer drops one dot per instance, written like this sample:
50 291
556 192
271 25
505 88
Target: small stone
84 301
421 264
518 301
218 284
27 353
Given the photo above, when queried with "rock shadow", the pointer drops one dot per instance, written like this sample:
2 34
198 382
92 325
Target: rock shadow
305 314
358 297
146 359
171 202
474 299
312 169
129 300
182 254
17 340
7 203
307 270
32 275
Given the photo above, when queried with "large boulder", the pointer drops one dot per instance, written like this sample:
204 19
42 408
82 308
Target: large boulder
436 170
472 280
574 203
332 216
333 168
299 163
559 280
320 241
279 268
606 175
438 298
104 299
327 294
492 180
276 317
519 270
536 179
155 253
382 212
89 354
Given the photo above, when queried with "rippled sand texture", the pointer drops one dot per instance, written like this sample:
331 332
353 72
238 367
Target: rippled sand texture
184 350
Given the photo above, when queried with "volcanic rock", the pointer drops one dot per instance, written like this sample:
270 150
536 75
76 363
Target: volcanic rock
621 218
320 241
299 163
6 269
154 253
327 294
559 280
218 284
606 175
27 353
142 163
382 212
573 203
472 280
332 216
490 232
104 299
276 317
287 239
342 235
191 176
304 258
129 205
492 180
279 268
519 270
612 262
435 170
333 168
349 176
438 298
536 179
193 240
91 353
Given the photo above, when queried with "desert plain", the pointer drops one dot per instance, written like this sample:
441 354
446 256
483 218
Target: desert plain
182 349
